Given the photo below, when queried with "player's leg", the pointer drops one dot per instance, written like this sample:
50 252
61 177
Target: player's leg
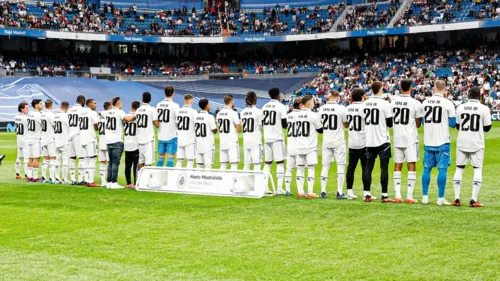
91 164
234 157
327 159
311 162
354 156
82 166
19 157
116 155
367 174
290 165
181 155
399 159
247 159
269 157
461 162
224 158
129 155
209 159
477 159
135 165
45 163
162 150
190 155
385 155
103 159
279 155
65 163
256 157
200 160
37 150
52 162
72 161
340 158
412 157
29 153
25 160
301 162
171 151
444 161
430 161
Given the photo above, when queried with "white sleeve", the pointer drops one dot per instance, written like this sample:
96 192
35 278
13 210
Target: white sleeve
211 123
458 119
486 116
153 113
451 109
283 112
95 118
236 118
121 114
419 110
388 111
317 122
343 114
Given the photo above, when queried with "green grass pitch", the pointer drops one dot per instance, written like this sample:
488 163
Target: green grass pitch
58 232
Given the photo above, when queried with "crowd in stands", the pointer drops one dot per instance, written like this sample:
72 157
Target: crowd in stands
369 16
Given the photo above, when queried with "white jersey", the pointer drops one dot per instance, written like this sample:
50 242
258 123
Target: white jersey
74 120
88 118
251 125
292 134
356 120
130 142
437 111
406 109
377 110
306 124
333 116
102 132
273 112
472 117
114 125
185 126
167 115
34 121
21 129
204 123
61 129
145 116
227 119
47 127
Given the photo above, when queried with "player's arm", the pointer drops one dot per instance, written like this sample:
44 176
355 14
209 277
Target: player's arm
344 118
154 117
128 117
212 125
237 122
284 123
452 119
419 114
318 124
388 116
487 120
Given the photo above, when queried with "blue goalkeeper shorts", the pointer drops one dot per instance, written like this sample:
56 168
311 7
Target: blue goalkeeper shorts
437 156
167 147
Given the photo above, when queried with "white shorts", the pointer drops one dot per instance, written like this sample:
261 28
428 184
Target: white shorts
310 159
21 151
75 149
337 154
410 154
206 158
231 155
103 155
253 156
147 153
291 162
89 150
49 150
275 151
187 152
476 158
62 154
33 151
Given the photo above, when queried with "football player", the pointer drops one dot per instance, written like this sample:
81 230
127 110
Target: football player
333 116
75 148
61 132
186 134
205 128
131 146
89 120
103 147
229 127
251 120
473 119
34 136
439 114
167 132
147 121
48 143
291 160
21 132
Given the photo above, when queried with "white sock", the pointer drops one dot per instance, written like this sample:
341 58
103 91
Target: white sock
457 182
385 195
81 169
29 172
412 178
224 166
397 183
208 166
340 178
102 172
18 166
246 167
190 164
311 177
65 172
365 193
57 173
280 174
179 163
300 179
72 164
234 166
288 178
91 170
350 192
477 182
52 169
26 167
45 165
324 177
35 172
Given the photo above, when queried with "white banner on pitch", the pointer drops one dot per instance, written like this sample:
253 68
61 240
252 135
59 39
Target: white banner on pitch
251 184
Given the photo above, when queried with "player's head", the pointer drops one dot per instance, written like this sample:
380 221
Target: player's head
377 88
91 104
80 100
357 94
297 103
135 105
146 97
23 108
116 102
274 93
64 106
229 100
37 104
440 86
49 104
406 86
204 104
307 102
169 91
107 105
474 93
188 100
251 98
333 95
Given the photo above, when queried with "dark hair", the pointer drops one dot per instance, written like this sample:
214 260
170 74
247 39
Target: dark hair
169 91
146 97
21 106
203 104
136 104
251 98
48 103
405 85
296 103
306 99
80 99
274 93
376 86
228 99
357 94
64 104
115 100
474 93
89 101
35 102
106 105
